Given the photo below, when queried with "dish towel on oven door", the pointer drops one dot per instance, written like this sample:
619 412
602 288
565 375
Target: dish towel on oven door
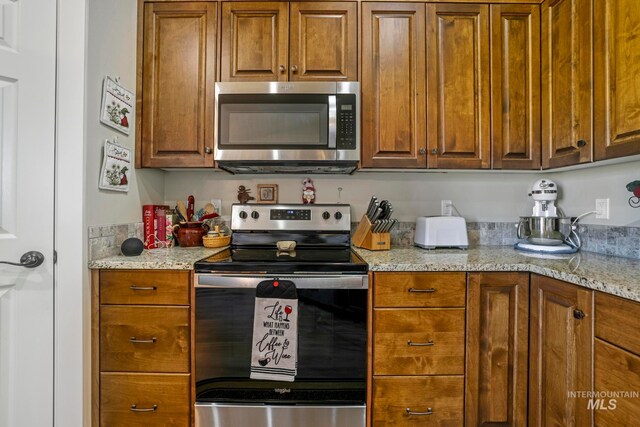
275 331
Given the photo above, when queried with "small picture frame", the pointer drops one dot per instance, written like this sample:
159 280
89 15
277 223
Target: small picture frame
116 167
117 105
267 193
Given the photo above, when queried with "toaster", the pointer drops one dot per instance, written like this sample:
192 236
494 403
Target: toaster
441 232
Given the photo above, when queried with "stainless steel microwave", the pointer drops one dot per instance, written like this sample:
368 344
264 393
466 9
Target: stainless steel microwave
287 127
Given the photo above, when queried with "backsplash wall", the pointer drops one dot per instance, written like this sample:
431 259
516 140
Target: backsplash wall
478 196
105 241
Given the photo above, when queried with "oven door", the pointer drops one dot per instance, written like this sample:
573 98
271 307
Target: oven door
330 386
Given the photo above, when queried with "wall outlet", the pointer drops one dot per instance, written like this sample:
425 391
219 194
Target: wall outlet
446 207
217 203
602 208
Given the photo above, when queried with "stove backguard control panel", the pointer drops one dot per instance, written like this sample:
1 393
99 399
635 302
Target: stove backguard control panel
298 217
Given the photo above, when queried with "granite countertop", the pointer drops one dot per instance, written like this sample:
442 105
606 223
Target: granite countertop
158 259
613 275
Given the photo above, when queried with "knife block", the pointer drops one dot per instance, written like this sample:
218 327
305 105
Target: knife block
364 238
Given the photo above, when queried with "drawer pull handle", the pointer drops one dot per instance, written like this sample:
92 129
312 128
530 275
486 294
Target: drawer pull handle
420 344
410 412
135 340
134 408
430 290
143 288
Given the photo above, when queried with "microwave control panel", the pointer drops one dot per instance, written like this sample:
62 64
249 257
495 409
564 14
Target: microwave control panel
346 132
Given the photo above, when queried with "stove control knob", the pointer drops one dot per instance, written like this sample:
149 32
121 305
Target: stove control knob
326 215
338 216
255 215
243 215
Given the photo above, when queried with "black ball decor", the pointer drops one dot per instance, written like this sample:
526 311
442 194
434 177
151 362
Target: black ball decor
132 247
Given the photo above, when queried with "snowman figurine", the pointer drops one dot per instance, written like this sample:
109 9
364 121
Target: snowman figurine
308 192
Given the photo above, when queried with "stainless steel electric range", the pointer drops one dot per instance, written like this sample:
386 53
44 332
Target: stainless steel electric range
331 280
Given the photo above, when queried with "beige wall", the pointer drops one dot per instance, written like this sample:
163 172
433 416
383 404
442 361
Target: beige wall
111 50
478 196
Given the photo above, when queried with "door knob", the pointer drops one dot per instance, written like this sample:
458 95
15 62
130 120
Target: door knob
207 150
422 151
31 259
294 69
282 68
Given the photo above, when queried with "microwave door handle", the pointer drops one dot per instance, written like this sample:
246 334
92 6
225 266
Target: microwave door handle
333 123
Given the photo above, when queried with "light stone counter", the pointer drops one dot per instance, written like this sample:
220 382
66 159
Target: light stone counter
158 259
613 275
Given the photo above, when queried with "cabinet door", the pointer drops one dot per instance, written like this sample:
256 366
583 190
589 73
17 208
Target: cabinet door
254 41
458 108
566 82
561 353
515 86
393 85
616 78
178 75
323 38
497 349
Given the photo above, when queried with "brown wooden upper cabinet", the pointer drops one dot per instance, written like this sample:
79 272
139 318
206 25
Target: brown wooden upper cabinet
280 41
566 82
428 82
458 100
393 85
176 75
515 86
616 78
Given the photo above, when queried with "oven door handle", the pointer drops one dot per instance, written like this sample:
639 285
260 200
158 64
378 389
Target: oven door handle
230 281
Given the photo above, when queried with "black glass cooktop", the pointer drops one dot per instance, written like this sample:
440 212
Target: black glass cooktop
270 260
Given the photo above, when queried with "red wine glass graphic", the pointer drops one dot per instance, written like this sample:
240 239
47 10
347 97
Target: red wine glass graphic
287 310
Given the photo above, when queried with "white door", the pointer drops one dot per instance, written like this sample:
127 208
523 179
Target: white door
27 117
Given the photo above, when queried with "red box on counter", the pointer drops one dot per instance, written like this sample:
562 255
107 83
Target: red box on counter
154 219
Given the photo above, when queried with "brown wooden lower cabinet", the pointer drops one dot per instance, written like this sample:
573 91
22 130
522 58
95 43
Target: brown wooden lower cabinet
497 349
141 339
617 361
418 401
128 399
561 353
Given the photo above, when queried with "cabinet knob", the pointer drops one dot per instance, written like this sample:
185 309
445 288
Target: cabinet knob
422 151
207 150
579 314
582 143
434 151
282 68
294 69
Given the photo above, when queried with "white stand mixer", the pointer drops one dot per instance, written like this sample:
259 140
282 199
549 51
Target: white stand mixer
542 230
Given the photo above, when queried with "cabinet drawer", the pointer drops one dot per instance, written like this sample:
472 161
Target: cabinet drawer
419 289
166 327
169 394
617 320
144 287
392 397
616 370
441 329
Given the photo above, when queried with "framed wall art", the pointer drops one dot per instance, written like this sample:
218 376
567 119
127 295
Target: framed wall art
117 105
116 167
267 193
